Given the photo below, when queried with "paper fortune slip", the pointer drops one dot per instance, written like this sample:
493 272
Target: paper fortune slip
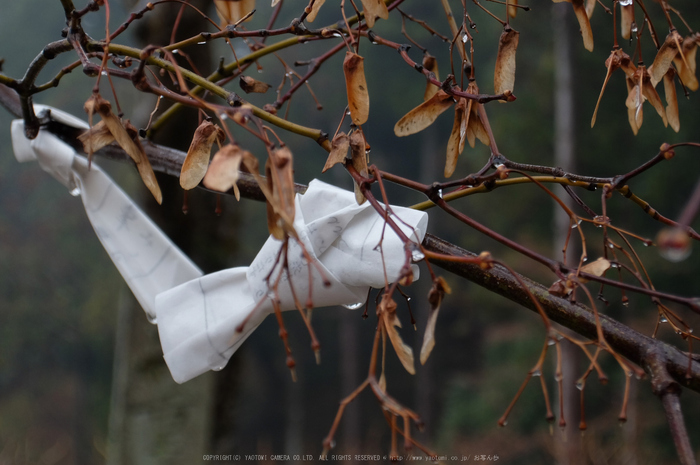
199 316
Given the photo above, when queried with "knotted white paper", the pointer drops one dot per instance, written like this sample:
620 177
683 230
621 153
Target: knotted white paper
198 320
197 315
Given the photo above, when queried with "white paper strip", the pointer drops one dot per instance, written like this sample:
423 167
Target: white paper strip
199 316
149 262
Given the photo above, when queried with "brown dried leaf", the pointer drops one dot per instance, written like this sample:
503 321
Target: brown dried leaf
671 100
626 20
127 140
195 166
280 175
504 75
686 64
631 111
391 322
374 9
231 11
423 115
430 63
664 57
145 170
314 10
634 102
251 85
95 138
356 85
223 171
590 6
650 94
435 296
359 161
455 144
512 10
339 151
584 24
596 268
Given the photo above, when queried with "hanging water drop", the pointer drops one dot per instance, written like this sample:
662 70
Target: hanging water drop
663 319
536 373
439 193
580 385
151 318
465 38
75 191
354 306
416 254
625 2
634 28
218 368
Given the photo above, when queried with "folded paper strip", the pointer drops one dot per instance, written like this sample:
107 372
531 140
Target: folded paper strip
199 317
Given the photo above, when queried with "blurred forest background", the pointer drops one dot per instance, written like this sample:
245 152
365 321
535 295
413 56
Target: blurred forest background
65 312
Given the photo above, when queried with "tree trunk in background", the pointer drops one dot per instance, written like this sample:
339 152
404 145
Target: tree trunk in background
568 448
153 420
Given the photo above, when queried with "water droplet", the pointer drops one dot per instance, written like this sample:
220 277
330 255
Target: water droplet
439 193
634 27
558 377
574 226
585 258
614 265
75 191
151 319
416 253
611 245
679 332
625 2
176 51
580 385
218 368
551 342
626 303
104 73
270 294
465 38
202 42
160 97
663 319
504 423
472 25
537 373
354 306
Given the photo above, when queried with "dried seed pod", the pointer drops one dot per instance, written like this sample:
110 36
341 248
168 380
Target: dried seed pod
671 100
223 171
339 151
374 9
455 144
664 57
253 86
95 138
387 311
512 8
359 161
127 140
626 20
314 10
504 75
356 85
435 296
231 11
195 166
584 24
430 63
423 115
685 62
